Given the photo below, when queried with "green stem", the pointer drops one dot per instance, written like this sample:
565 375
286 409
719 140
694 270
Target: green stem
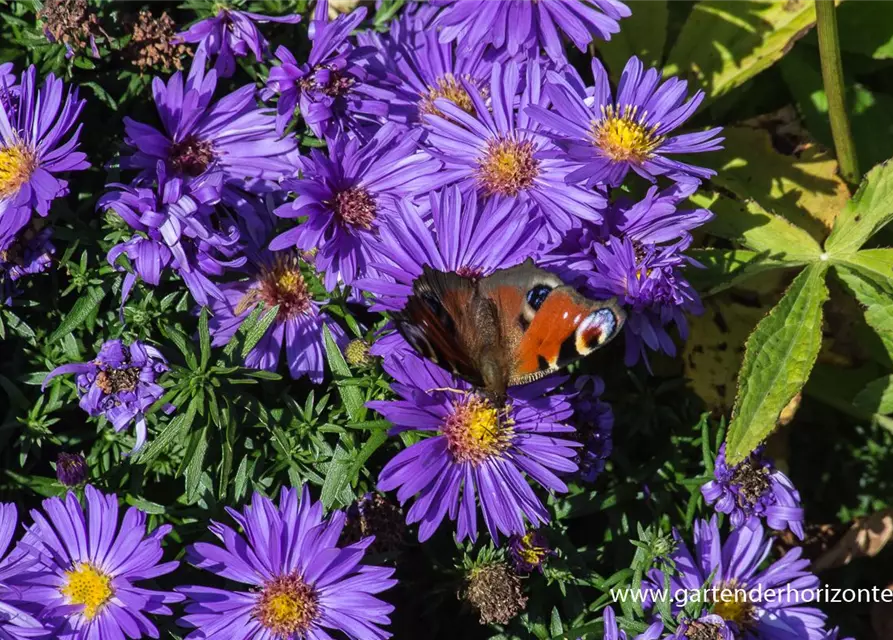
832 75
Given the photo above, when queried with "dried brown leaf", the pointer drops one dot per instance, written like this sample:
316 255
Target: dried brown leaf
865 539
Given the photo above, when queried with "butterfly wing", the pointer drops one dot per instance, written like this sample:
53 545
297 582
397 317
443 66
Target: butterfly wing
438 322
566 327
544 324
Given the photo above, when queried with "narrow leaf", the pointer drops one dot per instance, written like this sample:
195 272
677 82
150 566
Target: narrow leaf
351 396
204 338
258 330
335 488
85 307
778 358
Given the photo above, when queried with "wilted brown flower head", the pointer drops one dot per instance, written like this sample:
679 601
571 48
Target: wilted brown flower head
152 44
70 22
494 590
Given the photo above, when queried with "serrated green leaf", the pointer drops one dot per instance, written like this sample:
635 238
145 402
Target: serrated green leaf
877 296
874 263
750 225
351 396
85 307
779 355
876 397
644 34
257 331
725 43
867 211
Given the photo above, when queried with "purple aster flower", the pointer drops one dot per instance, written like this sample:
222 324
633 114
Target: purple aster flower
477 451
426 68
276 279
300 583
232 34
613 632
345 195
603 138
71 469
637 256
336 88
656 218
119 384
530 551
754 487
709 627
232 136
500 152
462 235
519 25
15 623
177 227
87 564
594 420
768 604
34 123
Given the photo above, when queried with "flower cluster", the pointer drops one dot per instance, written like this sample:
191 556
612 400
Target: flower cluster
460 138
74 574
37 146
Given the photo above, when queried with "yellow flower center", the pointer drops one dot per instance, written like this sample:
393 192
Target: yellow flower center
530 551
287 606
508 167
280 284
87 586
476 430
17 164
449 88
622 135
731 604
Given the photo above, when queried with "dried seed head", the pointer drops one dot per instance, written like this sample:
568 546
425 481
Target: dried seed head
494 590
153 44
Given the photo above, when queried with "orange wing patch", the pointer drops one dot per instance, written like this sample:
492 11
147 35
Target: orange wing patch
555 322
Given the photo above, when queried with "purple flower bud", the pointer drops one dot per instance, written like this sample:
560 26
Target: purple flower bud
71 469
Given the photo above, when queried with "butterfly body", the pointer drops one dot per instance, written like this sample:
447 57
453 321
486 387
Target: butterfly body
511 327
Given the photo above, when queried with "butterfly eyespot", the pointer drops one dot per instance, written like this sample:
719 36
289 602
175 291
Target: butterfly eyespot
597 329
537 295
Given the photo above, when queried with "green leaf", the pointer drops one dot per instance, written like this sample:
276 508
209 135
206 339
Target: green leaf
643 34
779 355
195 467
804 189
864 27
725 43
876 397
103 95
336 487
171 433
877 296
350 395
725 268
869 209
83 309
259 329
874 263
555 626
748 224
204 338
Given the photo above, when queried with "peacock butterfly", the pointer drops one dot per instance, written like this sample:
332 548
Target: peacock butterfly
511 327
